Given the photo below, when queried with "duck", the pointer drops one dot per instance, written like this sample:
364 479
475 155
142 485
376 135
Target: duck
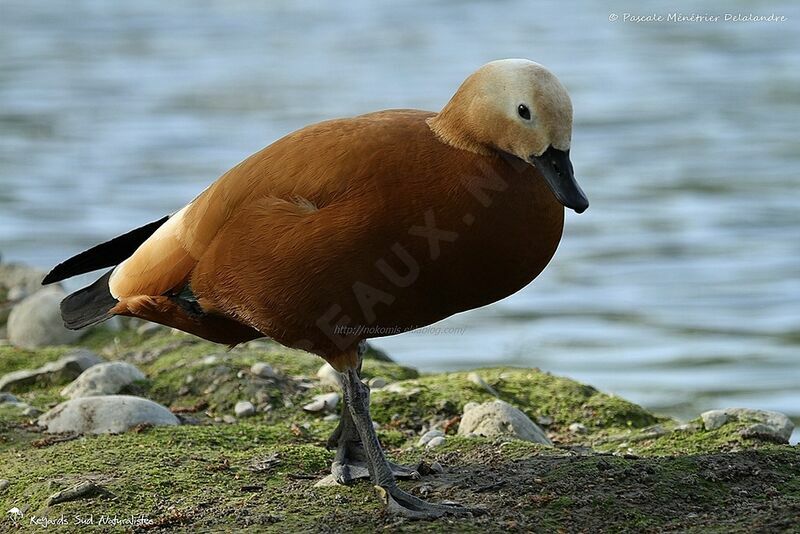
355 228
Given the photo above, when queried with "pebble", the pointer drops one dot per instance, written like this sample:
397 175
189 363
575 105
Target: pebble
263 370
150 329
499 418
36 321
436 467
111 414
229 419
428 436
68 367
107 378
476 379
331 417
4 484
578 428
8 397
330 376
244 409
435 442
325 402
544 420
377 382
770 423
20 278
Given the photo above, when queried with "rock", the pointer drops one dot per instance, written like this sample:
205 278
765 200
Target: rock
228 419
263 370
578 428
326 402
326 482
150 329
428 436
4 484
377 382
498 418
544 420
713 419
330 376
17 293
244 409
8 397
110 414
331 417
476 379
107 378
435 442
36 321
755 423
436 467
20 278
470 406
68 367
30 411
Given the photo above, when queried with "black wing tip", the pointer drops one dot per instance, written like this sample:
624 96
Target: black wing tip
88 306
103 255
54 276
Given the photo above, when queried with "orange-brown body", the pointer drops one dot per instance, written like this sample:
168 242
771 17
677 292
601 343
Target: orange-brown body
345 230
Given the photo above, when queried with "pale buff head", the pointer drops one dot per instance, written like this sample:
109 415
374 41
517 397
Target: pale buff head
517 107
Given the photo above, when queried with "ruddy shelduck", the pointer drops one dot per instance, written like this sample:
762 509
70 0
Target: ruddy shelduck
356 228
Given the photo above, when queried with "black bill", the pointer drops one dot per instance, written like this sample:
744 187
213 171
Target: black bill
556 168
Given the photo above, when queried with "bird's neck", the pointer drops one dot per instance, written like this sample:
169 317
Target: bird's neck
453 126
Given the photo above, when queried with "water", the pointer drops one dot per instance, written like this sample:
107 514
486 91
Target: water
678 288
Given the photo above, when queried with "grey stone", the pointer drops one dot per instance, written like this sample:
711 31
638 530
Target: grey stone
577 428
8 397
150 329
30 411
244 409
17 293
768 423
377 382
330 376
713 419
436 467
110 414
498 418
4 484
229 419
476 379
36 321
68 367
428 436
326 482
15 276
107 378
325 402
435 442
263 370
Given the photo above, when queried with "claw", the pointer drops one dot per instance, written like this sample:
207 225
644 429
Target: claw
399 502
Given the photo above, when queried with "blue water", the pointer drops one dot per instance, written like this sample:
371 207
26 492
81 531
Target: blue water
678 288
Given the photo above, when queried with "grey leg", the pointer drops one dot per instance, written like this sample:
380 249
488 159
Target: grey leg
350 464
356 397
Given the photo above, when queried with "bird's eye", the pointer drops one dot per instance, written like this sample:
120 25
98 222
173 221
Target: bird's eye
524 112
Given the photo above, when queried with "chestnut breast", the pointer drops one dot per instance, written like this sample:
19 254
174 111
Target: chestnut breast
414 231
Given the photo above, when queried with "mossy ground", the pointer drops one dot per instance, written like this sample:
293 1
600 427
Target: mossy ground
630 471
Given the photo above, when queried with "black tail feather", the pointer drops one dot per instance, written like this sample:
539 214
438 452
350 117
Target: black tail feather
88 306
103 255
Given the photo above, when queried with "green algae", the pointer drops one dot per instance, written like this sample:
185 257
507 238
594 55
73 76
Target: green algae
630 471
